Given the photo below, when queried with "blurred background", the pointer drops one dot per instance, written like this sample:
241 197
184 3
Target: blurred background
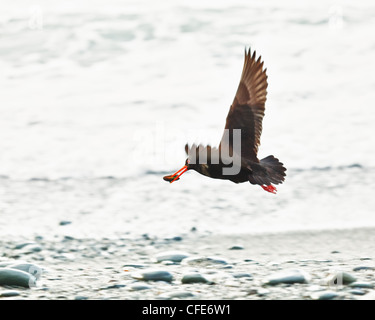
98 98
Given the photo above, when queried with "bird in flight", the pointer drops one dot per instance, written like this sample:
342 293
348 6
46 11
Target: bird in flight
236 157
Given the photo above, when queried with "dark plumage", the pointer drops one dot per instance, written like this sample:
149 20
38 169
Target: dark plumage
246 113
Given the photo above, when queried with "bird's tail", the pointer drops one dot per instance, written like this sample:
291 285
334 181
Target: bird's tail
269 171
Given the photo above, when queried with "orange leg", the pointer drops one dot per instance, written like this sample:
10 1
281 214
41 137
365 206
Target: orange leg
270 188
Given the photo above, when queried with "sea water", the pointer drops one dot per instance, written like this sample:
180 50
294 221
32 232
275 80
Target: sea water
97 101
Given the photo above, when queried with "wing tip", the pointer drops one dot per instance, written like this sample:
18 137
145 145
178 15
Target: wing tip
251 60
252 55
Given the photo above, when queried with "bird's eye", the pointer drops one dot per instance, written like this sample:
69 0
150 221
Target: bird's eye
187 161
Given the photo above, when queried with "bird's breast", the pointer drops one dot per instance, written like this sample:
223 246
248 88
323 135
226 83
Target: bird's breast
216 172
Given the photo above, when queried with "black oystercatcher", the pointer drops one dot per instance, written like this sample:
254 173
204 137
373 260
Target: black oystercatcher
236 157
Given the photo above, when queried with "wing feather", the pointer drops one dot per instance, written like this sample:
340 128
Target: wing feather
247 110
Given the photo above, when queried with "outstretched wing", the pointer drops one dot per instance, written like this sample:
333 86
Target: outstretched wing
247 110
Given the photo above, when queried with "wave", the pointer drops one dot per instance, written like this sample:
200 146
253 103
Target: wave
162 173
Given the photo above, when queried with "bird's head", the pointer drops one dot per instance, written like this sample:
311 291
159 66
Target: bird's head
192 162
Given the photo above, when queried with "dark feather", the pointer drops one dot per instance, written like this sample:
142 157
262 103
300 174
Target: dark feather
247 110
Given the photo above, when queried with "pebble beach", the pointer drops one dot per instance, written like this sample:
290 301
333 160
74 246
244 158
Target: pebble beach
320 265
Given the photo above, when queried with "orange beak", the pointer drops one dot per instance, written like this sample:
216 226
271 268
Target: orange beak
176 175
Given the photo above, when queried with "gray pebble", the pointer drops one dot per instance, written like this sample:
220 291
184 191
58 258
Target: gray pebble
325 295
113 286
31 248
357 292
23 244
288 276
64 222
360 268
348 278
162 297
363 285
31 268
340 278
236 247
217 260
80 298
9 294
180 294
146 236
193 278
204 261
175 256
14 277
134 266
64 256
177 238
139 286
242 275
154 275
